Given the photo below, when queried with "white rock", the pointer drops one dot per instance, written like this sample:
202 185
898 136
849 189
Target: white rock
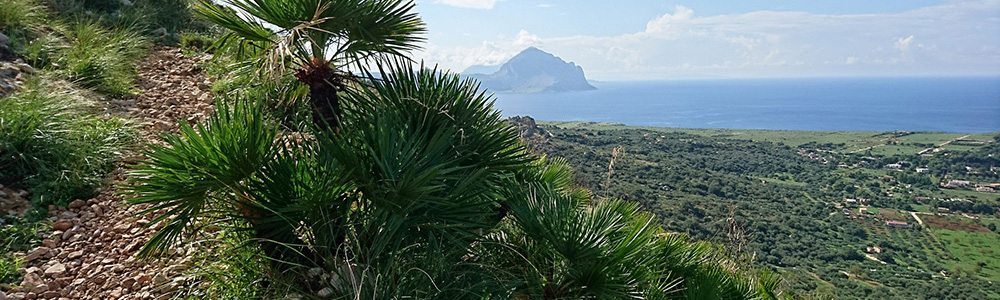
56 269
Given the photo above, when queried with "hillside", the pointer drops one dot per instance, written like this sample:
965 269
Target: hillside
138 162
535 71
809 203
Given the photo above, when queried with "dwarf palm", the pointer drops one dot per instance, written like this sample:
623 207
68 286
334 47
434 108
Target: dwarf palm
399 196
318 39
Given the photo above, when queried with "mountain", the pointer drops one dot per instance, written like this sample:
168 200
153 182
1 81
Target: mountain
481 69
535 71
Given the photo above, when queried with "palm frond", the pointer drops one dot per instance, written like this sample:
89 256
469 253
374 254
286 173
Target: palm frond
200 166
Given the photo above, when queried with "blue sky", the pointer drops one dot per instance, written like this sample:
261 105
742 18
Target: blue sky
648 40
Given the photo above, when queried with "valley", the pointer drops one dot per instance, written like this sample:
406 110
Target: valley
841 214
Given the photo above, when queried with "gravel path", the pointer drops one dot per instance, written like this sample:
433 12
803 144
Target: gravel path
91 251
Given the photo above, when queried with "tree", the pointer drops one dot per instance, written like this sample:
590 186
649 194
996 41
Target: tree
318 40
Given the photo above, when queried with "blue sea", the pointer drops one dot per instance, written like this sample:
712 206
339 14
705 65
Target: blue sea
950 104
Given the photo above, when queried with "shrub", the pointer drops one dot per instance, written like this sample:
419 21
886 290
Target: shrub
423 192
197 42
53 144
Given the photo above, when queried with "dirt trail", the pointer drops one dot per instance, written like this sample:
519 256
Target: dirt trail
91 252
943 144
919 221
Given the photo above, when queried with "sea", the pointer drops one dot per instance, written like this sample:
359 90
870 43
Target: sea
945 104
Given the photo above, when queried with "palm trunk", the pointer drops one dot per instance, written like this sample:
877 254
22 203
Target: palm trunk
324 83
325 106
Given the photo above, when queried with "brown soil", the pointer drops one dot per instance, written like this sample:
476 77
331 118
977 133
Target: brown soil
952 223
91 251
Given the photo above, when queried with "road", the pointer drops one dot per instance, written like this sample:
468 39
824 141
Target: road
919 221
942 144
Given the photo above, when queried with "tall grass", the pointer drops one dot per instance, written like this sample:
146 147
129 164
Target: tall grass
102 59
143 16
18 18
52 143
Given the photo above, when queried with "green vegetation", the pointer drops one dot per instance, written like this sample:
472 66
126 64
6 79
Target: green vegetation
397 190
52 142
318 40
56 139
409 186
976 252
102 59
781 199
316 182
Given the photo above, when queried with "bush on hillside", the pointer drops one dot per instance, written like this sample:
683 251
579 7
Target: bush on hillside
425 193
54 145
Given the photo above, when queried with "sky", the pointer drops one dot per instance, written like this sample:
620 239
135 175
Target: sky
653 40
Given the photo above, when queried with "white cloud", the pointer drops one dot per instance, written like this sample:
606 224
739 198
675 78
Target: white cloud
669 22
957 37
903 44
525 39
478 4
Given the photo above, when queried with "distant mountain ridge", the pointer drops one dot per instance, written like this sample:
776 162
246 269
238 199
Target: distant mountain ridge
534 71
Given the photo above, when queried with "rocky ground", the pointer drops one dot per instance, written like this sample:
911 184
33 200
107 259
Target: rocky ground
90 254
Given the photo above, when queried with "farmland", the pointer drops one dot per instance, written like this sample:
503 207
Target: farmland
813 205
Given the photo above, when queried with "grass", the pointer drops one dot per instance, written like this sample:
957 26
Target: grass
53 144
992 198
881 143
17 235
19 18
102 59
227 268
973 250
921 208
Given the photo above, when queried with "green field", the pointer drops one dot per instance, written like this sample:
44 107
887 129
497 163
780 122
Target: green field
975 251
879 143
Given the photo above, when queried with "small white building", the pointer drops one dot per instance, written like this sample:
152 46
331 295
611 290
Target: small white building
958 183
923 170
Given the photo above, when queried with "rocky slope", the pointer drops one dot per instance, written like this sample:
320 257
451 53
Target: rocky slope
90 253
535 71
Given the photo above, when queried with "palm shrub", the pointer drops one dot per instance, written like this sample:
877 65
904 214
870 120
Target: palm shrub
317 39
411 175
424 193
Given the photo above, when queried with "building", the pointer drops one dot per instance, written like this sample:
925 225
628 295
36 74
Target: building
894 166
957 183
984 189
898 224
875 249
923 170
